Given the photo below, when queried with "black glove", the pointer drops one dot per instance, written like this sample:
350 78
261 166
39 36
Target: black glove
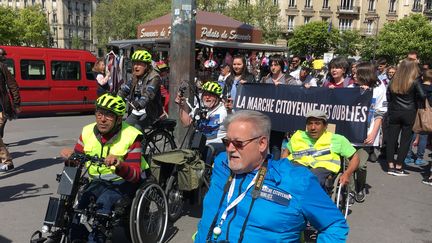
140 103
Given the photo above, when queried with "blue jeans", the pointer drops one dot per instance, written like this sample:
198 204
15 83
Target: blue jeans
421 147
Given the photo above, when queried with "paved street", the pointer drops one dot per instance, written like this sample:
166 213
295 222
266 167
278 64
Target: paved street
397 209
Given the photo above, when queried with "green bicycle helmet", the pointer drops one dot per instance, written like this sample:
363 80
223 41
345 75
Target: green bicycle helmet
111 103
141 56
212 87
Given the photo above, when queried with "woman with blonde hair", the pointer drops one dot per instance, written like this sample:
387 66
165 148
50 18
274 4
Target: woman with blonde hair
101 78
403 93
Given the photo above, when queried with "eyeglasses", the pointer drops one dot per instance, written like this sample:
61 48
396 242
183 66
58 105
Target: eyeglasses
238 144
108 115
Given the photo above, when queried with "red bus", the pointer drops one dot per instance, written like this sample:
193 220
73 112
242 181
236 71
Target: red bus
53 80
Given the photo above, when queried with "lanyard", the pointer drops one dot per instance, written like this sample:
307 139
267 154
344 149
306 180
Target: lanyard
237 200
259 179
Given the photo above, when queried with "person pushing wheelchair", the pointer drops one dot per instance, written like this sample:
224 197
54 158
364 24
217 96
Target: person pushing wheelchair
120 144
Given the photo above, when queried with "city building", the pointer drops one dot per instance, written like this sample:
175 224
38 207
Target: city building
366 16
70 21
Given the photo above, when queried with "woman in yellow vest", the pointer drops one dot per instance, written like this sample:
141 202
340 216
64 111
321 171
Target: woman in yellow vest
321 150
120 145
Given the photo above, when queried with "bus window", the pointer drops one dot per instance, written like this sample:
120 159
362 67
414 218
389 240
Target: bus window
32 69
89 71
65 70
10 65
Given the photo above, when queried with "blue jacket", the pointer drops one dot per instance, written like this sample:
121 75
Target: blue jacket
273 218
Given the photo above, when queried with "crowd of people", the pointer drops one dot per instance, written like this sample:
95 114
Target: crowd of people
254 163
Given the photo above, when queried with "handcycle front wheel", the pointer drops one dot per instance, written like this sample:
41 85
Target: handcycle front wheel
149 214
158 141
174 198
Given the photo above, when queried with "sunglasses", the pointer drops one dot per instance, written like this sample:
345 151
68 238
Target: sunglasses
238 144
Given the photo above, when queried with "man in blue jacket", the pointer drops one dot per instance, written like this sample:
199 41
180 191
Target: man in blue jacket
253 198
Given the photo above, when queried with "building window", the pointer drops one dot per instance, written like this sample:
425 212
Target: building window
244 2
10 3
291 3
428 4
307 19
370 27
25 3
345 24
70 33
77 20
326 4
54 18
392 6
33 2
371 5
308 4
417 6
276 2
69 19
291 23
43 3
346 4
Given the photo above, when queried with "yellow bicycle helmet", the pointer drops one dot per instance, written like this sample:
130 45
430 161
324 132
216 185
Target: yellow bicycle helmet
212 87
111 103
141 56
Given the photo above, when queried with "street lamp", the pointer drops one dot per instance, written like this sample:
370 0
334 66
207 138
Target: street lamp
374 19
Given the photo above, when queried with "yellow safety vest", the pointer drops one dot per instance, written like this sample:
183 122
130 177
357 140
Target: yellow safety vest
119 147
314 155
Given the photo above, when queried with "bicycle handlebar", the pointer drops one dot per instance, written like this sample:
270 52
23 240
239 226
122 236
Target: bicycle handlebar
83 158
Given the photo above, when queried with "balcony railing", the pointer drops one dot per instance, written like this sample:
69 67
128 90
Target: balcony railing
417 8
348 10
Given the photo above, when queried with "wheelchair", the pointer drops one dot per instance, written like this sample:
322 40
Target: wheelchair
145 216
340 194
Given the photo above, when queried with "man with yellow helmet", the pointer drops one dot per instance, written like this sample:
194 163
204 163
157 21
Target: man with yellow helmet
212 124
321 150
120 144
143 91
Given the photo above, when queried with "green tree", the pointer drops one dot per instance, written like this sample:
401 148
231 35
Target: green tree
212 5
410 33
313 38
8 31
264 15
76 42
349 43
33 26
367 47
118 19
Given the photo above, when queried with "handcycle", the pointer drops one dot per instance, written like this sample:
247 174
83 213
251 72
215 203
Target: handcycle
146 215
187 161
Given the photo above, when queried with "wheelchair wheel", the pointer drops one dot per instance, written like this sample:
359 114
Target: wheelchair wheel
175 198
149 214
156 142
340 196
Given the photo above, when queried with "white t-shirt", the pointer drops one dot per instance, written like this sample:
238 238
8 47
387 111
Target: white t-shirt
212 126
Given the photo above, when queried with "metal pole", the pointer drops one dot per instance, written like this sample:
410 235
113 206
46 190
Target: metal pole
181 54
